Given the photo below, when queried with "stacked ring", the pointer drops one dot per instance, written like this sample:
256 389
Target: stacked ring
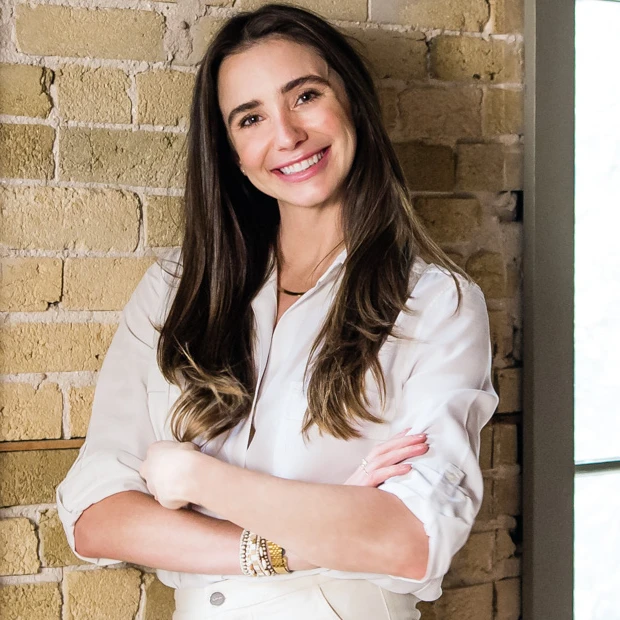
364 463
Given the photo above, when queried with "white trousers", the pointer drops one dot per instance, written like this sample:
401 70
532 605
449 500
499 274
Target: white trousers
306 598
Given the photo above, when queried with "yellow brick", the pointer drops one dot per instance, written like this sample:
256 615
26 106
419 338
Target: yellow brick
505 448
507 16
474 562
101 283
31 477
456 258
486 509
164 97
151 158
468 15
507 496
93 95
472 603
489 271
489 167
53 218
80 407
503 112
508 599
389 108
55 550
29 284
427 167
30 147
471 58
102 594
509 387
164 221
159 599
202 33
24 90
501 334
53 347
392 54
486 447
49 30
18 542
41 601
441 112
27 413
450 220
350 10
504 547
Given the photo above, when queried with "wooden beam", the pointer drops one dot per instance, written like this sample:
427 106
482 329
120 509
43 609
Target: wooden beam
45 444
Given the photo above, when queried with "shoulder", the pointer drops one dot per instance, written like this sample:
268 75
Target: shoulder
431 281
154 293
440 297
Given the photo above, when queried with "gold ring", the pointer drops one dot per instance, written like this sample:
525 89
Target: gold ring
364 463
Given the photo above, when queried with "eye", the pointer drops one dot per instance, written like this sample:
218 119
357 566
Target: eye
308 95
248 121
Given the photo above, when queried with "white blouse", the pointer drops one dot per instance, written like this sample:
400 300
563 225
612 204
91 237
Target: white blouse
438 380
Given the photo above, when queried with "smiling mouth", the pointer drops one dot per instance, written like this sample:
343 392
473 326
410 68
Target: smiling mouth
300 166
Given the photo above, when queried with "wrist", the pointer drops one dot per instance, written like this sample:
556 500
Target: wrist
194 476
295 562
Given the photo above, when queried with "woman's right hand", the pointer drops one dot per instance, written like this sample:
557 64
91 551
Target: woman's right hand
386 459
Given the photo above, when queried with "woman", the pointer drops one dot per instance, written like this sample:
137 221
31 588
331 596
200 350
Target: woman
303 330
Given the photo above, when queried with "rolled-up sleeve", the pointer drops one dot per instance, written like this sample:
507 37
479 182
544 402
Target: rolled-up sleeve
120 429
448 395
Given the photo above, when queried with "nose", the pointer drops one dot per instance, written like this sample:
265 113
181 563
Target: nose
288 132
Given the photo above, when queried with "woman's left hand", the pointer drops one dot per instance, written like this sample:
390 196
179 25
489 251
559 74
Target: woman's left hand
167 470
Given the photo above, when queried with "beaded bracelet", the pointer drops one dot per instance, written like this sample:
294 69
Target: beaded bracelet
243 554
254 555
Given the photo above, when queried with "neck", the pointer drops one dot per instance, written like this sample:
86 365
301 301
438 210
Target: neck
308 236
309 240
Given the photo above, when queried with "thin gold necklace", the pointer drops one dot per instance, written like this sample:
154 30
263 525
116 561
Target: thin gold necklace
296 294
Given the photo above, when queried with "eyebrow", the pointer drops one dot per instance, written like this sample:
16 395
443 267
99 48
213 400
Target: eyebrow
304 79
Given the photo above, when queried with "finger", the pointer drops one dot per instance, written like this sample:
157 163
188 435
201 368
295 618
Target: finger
396 444
402 433
397 456
381 475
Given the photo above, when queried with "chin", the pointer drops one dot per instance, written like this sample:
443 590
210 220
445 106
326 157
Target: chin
308 201
311 197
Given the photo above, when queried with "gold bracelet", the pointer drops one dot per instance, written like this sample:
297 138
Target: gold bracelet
278 559
260 557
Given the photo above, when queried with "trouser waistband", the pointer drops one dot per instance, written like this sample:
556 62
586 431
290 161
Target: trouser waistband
238 593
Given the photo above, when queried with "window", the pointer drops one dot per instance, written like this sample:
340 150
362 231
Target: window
572 333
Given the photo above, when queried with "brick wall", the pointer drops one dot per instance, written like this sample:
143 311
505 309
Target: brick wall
93 113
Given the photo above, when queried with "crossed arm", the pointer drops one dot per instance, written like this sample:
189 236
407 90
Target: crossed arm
345 527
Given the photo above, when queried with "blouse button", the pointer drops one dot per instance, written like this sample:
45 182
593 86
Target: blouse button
217 598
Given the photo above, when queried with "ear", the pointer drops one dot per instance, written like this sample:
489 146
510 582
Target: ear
237 161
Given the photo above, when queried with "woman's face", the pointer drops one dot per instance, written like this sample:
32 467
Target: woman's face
288 119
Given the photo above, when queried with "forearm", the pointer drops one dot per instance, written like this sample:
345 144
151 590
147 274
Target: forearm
133 527
348 528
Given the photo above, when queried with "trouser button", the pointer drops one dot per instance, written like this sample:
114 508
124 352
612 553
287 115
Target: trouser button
217 598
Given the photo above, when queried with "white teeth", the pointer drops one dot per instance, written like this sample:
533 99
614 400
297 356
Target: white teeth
302 165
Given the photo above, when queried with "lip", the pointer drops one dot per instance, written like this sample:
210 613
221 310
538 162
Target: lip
308 172
302 158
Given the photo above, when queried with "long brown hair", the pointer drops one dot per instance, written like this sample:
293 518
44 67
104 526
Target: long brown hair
206 341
